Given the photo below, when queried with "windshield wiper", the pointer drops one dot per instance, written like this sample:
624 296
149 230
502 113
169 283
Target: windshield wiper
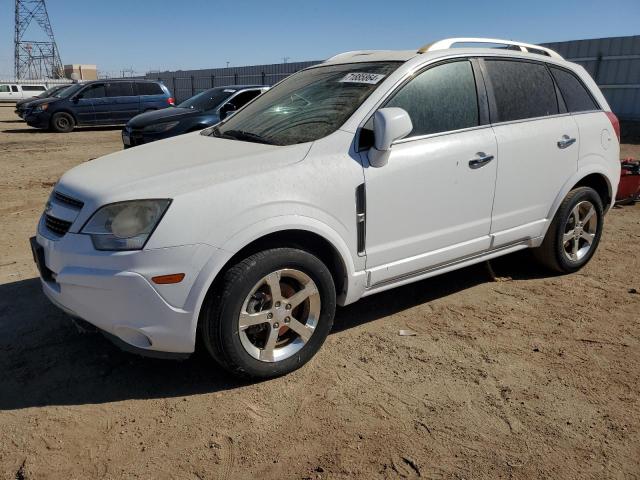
242 135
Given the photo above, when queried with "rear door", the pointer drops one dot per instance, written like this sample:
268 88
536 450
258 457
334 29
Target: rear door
124 102
537 144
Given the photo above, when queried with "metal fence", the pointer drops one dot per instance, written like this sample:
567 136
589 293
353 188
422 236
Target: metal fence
614 63
186 83
49 82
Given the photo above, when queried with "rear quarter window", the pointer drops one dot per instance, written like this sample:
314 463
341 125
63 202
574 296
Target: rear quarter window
148 88
575 94
33 88
521 90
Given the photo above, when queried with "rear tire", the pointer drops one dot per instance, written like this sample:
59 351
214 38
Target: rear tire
62 122
270 314
574 233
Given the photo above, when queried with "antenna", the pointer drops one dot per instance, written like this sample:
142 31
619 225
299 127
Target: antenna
35 59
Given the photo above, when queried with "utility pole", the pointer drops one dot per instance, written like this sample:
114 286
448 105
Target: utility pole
35 59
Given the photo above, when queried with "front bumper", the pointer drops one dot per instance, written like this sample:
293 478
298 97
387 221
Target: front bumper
114 292
133 138
38 120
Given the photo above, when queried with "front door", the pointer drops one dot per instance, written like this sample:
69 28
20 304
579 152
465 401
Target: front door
431 204
84 103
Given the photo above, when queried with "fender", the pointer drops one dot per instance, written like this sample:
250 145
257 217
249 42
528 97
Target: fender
355 281
584 170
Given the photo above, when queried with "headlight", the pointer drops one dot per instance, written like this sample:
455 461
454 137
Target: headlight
125 225
40 108
160 127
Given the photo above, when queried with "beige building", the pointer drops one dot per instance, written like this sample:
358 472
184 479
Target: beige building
81 72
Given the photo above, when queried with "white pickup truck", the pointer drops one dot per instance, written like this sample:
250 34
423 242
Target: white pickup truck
12 92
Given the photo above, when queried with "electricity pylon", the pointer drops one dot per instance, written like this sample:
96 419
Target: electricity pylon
35 58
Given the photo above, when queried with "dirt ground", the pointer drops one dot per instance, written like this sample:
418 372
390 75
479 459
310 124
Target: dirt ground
534 376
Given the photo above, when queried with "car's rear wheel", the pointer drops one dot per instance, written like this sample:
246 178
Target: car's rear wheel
271 313
574 233
62 122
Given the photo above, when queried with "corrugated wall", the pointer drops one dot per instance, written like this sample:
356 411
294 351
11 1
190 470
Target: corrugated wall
614 63
186 83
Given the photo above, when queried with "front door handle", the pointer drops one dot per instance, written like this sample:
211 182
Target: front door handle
566 141
481 160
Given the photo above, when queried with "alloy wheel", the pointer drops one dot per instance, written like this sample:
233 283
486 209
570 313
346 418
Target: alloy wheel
279 315
580 231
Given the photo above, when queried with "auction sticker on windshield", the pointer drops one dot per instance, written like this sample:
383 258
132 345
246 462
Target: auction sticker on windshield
360 77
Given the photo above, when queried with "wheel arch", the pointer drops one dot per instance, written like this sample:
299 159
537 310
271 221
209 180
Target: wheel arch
65 110
301 232
596 178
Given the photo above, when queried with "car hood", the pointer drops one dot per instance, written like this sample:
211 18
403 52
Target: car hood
168 168
40 101
26 100
158 116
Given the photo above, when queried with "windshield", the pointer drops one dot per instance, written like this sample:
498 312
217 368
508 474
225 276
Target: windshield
209 99
49 92
67 92
306 106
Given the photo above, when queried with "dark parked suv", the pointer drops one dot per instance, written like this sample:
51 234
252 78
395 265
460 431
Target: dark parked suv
101 102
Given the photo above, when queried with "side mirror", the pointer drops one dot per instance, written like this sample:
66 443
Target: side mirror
389 125
226 110
76 98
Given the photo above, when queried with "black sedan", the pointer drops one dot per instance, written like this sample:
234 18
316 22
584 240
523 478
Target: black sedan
198 112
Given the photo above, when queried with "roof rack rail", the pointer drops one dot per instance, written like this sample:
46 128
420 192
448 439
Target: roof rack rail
352 53
523 47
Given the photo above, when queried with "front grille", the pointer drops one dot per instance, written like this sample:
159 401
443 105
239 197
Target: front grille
57 226
62 198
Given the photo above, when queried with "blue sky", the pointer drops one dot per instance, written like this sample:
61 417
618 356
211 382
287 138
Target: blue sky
149 35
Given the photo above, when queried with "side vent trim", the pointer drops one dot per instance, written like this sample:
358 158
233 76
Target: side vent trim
361 218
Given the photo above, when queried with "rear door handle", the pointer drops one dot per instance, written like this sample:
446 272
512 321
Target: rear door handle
566 141
480 160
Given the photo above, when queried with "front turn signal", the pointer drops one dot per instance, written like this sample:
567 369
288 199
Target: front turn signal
168 279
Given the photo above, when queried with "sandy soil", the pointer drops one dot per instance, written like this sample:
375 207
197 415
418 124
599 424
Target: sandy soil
536 376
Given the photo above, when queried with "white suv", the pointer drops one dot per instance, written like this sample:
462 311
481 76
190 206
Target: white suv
369 171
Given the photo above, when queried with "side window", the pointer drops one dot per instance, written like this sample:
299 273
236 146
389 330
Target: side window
33 88
4 88
14 88
243 98
574 93
440 99
120 89
522 90
94 91
148 88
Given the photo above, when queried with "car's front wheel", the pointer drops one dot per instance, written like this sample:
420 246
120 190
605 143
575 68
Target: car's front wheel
270 314
62 122
574 233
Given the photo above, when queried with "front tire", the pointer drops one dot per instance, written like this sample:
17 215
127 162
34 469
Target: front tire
271 313
62 122
574 233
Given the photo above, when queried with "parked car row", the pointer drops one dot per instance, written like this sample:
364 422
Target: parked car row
140 105
366 172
